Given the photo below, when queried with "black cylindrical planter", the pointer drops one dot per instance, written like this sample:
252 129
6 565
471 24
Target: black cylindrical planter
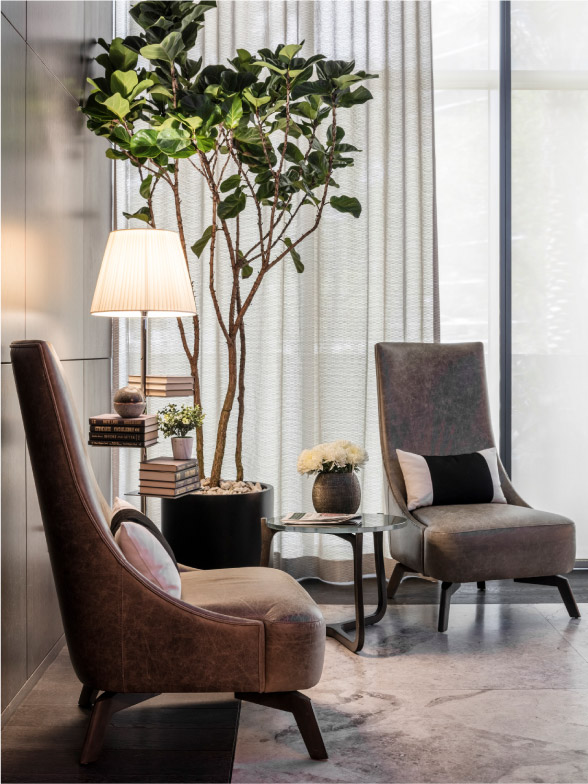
216 531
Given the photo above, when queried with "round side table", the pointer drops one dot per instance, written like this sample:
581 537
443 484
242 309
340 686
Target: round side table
374 524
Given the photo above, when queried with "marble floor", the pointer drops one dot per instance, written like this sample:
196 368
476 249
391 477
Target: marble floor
501 697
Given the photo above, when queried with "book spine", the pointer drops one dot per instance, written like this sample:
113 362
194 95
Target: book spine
123 436
167 494
169 485
165 476
122 443
151 422
122 429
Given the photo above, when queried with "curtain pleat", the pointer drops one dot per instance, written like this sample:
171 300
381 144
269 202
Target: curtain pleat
310 337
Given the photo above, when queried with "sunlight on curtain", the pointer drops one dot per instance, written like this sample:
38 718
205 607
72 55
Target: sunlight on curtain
310 373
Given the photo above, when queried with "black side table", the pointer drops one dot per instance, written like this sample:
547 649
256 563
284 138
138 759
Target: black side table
374 524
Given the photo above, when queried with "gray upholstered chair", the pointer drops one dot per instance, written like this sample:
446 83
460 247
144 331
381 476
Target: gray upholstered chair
433 401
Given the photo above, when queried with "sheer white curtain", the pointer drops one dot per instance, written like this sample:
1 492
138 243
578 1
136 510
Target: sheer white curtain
310 337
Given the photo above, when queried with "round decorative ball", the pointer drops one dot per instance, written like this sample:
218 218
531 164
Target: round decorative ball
129 402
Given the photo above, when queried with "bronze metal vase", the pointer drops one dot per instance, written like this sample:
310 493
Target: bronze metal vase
336 493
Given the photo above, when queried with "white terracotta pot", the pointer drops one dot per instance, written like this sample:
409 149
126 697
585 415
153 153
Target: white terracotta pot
182 447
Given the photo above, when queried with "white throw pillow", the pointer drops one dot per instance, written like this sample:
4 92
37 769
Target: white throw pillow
147 555
451 479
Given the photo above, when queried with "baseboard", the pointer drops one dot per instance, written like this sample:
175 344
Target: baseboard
28 686
581 563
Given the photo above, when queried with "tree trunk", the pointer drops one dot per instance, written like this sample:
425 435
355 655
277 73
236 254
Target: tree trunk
241 399
225 415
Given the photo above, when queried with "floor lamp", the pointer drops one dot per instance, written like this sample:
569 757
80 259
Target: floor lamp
143 274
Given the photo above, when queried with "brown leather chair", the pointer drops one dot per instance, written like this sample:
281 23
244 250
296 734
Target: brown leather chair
253 631
433 401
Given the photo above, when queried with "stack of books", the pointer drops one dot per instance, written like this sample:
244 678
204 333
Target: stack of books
113 430
166 386
166 476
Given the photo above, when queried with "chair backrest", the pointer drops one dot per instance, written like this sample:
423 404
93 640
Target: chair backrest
85 560
432 400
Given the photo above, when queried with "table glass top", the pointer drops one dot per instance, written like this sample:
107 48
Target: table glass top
369 523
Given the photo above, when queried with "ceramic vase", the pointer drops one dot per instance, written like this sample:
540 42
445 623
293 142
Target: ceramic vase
336 493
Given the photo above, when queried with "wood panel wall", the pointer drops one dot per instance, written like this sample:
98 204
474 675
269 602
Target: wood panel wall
56 215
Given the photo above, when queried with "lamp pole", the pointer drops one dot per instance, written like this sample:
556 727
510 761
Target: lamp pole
144 388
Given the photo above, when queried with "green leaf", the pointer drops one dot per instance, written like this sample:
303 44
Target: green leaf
236 82
121 57
172 140
346 204
167 50
115 155
232 205
155 52
121 136
145 187
256 101
293 154
118 105
143 215
320 87
361 95
95 85
230 183
144 84
199 245
295 255
290 50
144 144
158 91
339 134
234 114
193 122
271 66
346 80
123 82
246 271
205 143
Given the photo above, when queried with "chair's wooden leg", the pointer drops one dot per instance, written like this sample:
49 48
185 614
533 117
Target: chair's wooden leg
301 707
562 584
398 573
481 585
88 696
108 703
447 591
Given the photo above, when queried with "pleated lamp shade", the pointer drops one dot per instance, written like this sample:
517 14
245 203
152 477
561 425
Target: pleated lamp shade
143 270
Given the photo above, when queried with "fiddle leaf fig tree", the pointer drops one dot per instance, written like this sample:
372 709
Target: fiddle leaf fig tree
264 131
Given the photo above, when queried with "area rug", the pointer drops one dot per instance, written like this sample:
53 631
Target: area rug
501 697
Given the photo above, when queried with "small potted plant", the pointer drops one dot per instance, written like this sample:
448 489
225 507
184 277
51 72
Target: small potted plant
336 488
177 422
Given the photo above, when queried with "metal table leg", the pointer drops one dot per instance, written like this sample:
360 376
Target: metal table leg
339 631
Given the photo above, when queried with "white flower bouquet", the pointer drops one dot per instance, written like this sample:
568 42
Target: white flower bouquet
338 457
178 421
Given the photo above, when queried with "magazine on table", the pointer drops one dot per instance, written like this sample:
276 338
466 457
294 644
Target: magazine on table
320 518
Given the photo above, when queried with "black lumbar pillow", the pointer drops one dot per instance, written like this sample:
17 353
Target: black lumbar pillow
135 516
434 480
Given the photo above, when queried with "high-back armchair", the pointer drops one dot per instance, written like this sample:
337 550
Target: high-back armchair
127 637
433 401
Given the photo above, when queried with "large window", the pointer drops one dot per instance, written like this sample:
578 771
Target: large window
549 226
465 57
549 256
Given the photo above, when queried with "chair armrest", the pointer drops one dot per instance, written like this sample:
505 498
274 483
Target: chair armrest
171 646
